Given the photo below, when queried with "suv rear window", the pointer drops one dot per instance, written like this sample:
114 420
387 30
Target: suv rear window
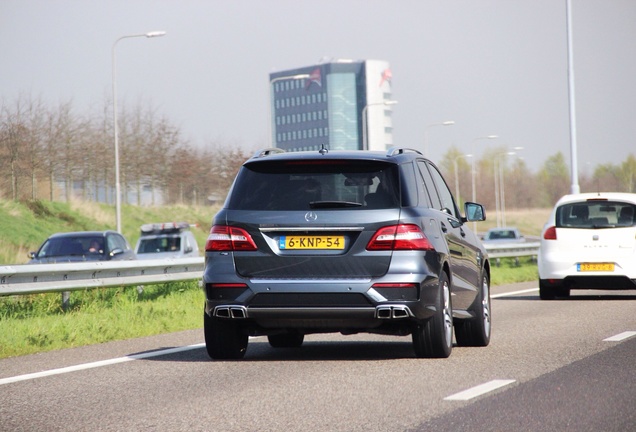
310 184
595 214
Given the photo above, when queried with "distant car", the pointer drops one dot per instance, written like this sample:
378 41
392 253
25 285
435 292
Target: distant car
503 235
166 240
83 246
344 241
589 242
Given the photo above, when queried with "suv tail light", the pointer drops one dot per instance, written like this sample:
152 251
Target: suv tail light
399 237
550 233
226 238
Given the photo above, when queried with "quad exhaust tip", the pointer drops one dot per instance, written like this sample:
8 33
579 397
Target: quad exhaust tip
381 312
234 312
393 312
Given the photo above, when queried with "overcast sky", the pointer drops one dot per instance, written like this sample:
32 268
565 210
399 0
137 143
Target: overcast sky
495 67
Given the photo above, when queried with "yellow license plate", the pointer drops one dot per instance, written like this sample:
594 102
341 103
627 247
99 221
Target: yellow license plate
311 242
592 267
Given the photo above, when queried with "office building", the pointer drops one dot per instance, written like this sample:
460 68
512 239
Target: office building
343 104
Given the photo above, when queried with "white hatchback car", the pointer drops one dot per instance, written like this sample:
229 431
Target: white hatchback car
589 242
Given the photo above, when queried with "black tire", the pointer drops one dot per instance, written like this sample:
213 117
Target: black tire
551 293
224 338
476 331
433 338
286 340
545 293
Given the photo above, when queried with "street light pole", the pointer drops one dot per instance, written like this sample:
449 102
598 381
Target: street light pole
115 127
474 198
473 162
499 185
457 176
272 112
501 188
365 145
444 123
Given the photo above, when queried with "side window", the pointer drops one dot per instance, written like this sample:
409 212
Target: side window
429 186
445 194
116 241
410 178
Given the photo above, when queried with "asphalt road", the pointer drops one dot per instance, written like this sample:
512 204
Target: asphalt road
551 366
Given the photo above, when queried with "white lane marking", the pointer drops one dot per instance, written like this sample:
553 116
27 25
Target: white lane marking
514 293
97 364
479 390
621 336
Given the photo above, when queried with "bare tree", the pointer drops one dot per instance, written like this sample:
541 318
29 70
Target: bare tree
14 139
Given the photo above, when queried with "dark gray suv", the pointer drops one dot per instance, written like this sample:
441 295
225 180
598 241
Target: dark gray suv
349 242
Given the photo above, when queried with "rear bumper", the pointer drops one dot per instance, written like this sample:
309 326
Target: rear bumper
384 319
593 282
313 307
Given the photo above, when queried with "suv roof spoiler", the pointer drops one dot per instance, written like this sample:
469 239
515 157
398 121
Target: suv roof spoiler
393 151
267 152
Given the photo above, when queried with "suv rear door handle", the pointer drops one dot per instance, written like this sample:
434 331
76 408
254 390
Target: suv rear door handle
444 229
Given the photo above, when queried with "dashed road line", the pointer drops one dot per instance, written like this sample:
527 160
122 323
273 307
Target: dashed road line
620 337
479 390
513 293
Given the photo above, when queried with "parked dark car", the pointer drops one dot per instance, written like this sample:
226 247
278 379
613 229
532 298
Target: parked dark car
344 241
83 246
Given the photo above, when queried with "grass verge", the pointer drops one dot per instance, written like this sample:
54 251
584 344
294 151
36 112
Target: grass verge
36 323
509 272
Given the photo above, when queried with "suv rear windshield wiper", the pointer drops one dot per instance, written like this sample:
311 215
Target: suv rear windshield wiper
333 204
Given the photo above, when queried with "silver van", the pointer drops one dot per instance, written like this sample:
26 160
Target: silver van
166 240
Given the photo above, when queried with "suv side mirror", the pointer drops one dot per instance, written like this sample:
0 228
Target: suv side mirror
474 212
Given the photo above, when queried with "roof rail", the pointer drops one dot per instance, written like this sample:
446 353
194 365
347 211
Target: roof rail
267 152
400 150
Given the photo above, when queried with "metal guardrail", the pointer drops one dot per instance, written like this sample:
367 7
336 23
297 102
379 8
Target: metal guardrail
63 277
513 250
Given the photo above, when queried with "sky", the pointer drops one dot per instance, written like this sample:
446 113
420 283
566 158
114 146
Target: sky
494 67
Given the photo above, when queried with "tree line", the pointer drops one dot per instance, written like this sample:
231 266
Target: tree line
525 189
53 153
